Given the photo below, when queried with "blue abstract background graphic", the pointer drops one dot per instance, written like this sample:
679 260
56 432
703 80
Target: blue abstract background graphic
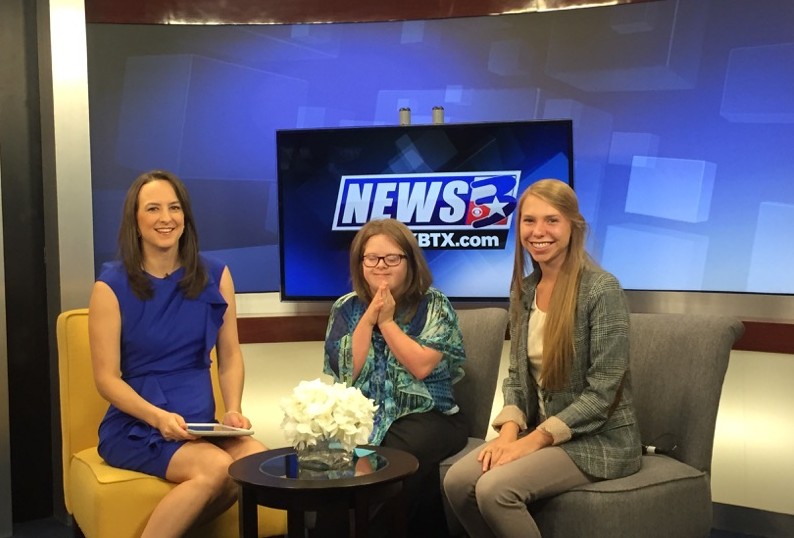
683 123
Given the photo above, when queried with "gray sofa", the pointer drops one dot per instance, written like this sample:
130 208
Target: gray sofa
484 331
678 363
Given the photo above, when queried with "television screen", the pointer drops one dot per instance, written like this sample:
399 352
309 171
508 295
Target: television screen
454 185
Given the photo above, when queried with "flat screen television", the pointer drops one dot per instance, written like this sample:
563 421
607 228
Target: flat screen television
454 185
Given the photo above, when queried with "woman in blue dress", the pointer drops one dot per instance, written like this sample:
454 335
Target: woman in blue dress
398 340
154 317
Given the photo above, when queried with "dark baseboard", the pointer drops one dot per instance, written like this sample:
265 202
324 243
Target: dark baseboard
752 522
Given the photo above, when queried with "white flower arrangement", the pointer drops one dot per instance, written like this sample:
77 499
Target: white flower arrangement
318 410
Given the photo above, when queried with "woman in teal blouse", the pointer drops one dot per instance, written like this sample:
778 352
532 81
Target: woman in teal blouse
397 339
567 418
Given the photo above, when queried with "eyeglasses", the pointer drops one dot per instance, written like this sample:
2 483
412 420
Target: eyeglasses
391 260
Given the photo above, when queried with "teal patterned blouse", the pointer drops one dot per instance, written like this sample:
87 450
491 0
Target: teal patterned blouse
382 378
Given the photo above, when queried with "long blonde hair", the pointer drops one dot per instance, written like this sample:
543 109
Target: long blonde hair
558 344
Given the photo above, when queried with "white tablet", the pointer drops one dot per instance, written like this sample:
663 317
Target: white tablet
213 429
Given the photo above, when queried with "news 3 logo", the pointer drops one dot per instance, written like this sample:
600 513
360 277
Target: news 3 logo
438 201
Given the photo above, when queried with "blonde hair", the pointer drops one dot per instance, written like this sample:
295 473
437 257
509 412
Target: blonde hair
558 344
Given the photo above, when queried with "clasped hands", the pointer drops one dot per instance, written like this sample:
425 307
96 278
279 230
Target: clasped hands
381 308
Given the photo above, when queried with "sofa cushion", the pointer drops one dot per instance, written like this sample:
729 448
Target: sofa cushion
659 496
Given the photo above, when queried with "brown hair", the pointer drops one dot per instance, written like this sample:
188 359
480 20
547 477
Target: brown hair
418 277
131 253
558 345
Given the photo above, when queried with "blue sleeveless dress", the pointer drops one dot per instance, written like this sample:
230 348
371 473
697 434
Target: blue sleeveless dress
165 357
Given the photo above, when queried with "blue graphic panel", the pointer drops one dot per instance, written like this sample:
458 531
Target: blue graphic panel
759 85
670 188
771 260
637 250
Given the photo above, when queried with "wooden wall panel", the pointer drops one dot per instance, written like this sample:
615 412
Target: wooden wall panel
758 336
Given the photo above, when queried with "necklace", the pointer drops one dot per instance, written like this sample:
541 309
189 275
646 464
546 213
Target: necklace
161 274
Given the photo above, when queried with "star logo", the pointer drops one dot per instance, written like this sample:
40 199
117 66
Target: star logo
492 200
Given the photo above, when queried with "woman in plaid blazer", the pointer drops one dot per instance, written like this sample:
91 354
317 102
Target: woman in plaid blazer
567 417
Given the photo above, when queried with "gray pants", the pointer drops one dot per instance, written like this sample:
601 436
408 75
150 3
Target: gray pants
494 503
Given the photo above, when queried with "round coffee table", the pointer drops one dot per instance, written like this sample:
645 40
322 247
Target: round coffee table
272 478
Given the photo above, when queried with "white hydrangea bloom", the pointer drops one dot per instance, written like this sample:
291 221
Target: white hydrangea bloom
316 410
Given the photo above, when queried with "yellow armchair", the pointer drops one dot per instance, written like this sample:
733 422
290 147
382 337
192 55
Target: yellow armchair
103 500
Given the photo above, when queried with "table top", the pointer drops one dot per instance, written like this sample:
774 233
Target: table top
278 469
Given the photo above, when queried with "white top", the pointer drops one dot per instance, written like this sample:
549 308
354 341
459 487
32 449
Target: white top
537 321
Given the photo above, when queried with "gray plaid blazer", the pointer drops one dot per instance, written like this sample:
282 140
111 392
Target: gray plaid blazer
596 403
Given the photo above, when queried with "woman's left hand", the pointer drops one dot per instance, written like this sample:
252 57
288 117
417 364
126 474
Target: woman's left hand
492 451
499 453
236 419
505 453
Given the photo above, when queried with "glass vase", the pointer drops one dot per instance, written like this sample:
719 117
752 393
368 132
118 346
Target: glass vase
326 455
